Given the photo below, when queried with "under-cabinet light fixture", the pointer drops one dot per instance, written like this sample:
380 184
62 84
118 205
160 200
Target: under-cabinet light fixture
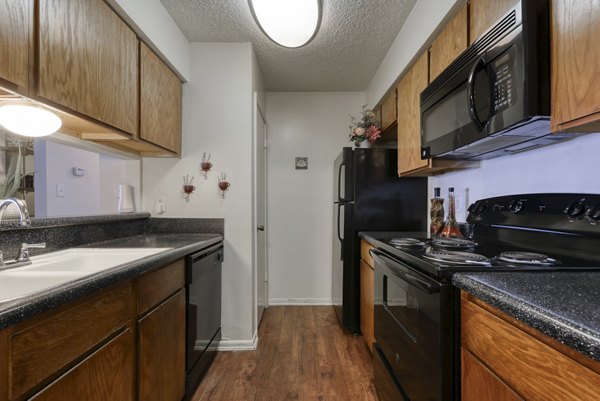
289 23
28 120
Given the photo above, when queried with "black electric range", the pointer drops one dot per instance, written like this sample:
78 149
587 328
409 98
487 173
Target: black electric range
417 309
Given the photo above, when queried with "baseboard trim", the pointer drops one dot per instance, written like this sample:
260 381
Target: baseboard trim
238 345
300 301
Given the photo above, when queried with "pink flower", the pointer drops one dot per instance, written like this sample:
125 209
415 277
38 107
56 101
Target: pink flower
373 133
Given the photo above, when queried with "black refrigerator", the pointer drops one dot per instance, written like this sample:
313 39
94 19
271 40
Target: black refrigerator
368 196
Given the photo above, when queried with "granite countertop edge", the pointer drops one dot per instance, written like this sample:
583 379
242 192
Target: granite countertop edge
18 310
10 225
553 325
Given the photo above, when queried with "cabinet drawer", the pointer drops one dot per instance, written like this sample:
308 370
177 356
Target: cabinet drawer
364 253
157 285
480 383
532 368
107 374
38 351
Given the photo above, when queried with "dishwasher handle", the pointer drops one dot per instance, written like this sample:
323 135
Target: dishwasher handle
208 251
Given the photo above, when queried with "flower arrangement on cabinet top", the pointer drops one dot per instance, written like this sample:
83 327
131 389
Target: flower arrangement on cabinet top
364 131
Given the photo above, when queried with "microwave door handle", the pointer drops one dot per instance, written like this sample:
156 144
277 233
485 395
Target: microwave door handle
471 92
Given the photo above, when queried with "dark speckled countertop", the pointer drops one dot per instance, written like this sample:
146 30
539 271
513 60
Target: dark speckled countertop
563 305
17 310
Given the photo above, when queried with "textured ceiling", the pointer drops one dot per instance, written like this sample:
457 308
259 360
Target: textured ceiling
354 37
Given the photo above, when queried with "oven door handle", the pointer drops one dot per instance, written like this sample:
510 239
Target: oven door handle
405 273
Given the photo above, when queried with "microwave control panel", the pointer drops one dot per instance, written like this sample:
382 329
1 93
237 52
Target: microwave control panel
502 90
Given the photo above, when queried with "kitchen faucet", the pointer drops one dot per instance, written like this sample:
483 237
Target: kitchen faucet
23 256
21 206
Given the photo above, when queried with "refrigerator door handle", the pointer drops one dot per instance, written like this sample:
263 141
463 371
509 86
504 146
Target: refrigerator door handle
339 235
339 182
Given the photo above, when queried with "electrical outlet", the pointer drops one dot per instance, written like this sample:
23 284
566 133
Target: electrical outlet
60 190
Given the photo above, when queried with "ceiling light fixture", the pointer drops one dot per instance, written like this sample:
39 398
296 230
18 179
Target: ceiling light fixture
28 120
289 23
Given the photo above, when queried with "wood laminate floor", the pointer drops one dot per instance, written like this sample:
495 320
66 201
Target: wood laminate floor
302 355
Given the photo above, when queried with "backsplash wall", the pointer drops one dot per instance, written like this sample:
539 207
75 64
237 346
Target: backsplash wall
569 167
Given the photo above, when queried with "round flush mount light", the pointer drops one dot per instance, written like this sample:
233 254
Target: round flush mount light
29 120
289 23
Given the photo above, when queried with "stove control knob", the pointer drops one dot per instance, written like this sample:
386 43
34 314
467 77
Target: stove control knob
594 214
472 207
517 206
481 208
576 209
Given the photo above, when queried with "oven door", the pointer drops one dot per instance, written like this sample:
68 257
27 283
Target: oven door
414 330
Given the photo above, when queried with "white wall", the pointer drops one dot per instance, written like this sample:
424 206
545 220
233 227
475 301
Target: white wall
314 125
54 163
156 23
92 194
418 31
564 167
217 118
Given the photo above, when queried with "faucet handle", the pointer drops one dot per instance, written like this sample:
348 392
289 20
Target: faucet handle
23 255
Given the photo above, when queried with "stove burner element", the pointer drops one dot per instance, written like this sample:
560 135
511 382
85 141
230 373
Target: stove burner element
453 243
526 258
457 258
407 243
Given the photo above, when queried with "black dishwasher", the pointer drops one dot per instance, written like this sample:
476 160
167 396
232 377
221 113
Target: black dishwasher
203 313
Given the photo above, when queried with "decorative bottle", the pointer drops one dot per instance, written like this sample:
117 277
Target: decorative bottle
436 212
451 227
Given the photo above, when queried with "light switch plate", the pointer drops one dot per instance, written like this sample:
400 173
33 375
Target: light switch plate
301 163
60 190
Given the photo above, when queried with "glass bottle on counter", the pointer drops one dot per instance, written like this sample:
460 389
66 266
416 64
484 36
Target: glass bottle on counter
436 213
451 229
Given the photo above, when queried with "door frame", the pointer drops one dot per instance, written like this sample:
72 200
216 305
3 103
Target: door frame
258 113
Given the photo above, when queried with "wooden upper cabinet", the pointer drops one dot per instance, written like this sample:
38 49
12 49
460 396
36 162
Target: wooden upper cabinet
449 44
16 27
409 117
388 111
484 13
88 61
160 102
575 65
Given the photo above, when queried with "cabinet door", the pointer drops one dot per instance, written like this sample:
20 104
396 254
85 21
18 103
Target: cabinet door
367 321
388 111
160 102
479 383
162 351
450 43
88 61
16 22
575 64
409 117
484 13
107 374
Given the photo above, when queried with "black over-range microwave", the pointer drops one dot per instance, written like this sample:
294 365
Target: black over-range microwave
494 99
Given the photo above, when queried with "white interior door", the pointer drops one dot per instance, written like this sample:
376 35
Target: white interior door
260 213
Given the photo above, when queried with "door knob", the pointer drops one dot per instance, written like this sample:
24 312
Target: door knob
260 228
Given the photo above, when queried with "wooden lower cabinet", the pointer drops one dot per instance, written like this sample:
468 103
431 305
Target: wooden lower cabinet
107 374
479 383
367 304
162 351
102 347
502 356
